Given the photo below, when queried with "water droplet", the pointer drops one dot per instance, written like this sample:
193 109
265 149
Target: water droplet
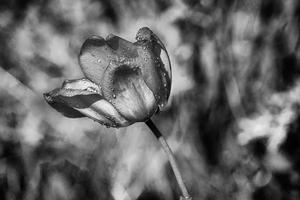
114 96
110 101
164 74
144 47
165 85
99 61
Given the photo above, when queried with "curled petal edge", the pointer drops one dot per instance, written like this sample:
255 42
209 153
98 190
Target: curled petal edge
162 61
82 98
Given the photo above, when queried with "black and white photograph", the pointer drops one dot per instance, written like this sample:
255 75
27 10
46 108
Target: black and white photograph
149 100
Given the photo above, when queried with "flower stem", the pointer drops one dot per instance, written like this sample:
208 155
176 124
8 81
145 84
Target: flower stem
171 158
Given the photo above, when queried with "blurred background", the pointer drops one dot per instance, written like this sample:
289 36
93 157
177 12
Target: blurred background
232 118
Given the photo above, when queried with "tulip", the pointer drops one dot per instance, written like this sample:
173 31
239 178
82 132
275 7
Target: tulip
124 83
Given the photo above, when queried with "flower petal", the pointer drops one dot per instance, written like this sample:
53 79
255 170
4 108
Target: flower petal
129 93
96 54
162 63
166 80
81 98
94 57
122 48
61 107
145 34
104 113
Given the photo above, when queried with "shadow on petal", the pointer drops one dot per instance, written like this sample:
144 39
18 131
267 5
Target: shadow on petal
62 108
130 94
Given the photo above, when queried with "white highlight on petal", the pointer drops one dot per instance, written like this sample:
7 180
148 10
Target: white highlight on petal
130 94
103 111
136 101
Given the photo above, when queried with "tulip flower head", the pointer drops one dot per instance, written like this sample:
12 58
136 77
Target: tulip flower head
124 82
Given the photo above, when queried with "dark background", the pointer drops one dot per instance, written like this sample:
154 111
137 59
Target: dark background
232 119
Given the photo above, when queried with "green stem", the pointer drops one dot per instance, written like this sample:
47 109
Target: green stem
171 158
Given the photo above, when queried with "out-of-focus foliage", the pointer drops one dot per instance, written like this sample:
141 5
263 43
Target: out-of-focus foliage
232 120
